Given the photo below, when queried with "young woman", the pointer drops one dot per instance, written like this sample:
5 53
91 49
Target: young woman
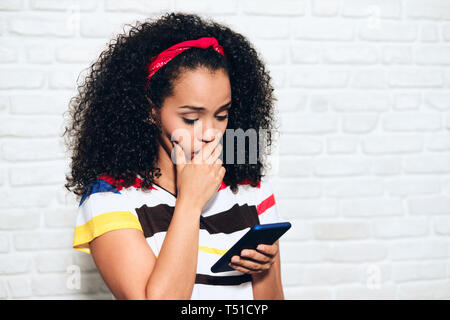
158 206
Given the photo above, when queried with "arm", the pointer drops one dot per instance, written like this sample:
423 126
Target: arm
130 269
267 285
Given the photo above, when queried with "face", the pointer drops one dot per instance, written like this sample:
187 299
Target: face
196 112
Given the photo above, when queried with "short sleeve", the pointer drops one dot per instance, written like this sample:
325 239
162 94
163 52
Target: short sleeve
100 212
267 207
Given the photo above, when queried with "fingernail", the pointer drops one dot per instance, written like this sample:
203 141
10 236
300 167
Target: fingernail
235 259
260 247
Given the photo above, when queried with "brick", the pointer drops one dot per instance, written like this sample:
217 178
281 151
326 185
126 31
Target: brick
438 142
340 166
340 230
39 54
433 55
371 8
359 123
361 101
295 167
309 124
36 25
446 32
329 274
429 33
300 230
60 217
441 225
63 79
369 78
357 252
429 205
307 208
436 289
19 78
392 144
419 270
19 219
342 145
4 243
325 8
77 53
415 77
39 104
307 293
418 249
399 227
407 101
56 284
38 240
408 186
357 292
200 6
389 31
36 175
47 262
350 54
290 100
301 54
438 100
304 252
397 54
30 126
347 187
11 5
27 197
371 207
63 5
19 286
298 189
386 166
32 149
329 29
270 8
8 54
278 28
291 145
431 9
14 264
413 122
427 164
292 273
307 77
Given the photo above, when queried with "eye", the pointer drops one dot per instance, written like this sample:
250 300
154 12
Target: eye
192 121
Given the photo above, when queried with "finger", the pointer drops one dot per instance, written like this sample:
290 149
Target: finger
266 249
255 255
206 150
250 265
180 159
242 269
215 155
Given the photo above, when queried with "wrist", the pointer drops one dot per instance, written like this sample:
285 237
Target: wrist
189 204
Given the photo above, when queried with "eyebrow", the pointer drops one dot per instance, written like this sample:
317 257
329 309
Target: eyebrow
204 109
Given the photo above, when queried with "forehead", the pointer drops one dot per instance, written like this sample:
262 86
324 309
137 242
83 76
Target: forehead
201 87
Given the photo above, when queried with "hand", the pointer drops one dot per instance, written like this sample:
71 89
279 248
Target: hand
199 179
255 261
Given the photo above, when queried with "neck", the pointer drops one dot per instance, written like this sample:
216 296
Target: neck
167 179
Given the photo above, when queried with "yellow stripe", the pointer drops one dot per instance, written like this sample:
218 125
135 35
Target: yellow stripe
212 250
102 223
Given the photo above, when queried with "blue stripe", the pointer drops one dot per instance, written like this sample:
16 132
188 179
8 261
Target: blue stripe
98 185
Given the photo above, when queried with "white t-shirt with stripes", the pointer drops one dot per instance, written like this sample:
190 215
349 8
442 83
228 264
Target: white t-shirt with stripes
225 218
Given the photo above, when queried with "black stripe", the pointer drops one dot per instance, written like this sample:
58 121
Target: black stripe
157 219
222 280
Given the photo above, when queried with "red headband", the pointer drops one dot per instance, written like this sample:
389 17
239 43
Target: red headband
161 59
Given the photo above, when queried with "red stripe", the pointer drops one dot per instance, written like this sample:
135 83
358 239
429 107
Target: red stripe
266 204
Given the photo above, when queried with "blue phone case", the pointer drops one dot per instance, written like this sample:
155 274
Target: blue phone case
259 234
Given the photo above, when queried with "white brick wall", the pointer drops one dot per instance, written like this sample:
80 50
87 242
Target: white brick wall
361 169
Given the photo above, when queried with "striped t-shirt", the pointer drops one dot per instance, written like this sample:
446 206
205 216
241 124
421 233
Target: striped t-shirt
225 218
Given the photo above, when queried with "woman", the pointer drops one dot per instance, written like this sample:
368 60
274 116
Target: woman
157 204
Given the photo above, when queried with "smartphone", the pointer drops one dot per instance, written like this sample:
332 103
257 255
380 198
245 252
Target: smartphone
259 234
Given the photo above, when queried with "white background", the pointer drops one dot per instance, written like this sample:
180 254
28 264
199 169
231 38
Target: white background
361 168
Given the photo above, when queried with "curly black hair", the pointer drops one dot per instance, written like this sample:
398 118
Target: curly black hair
108 132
